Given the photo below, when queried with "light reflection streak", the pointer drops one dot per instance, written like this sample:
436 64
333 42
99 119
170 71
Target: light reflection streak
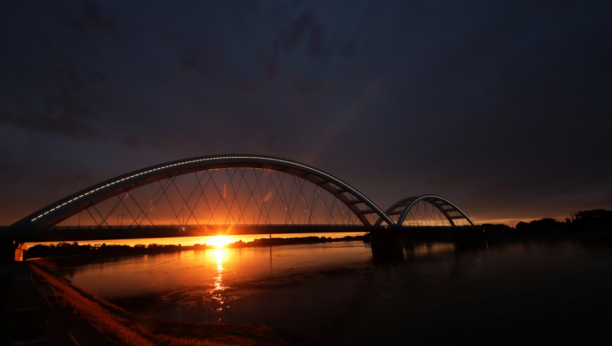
218 284
430 249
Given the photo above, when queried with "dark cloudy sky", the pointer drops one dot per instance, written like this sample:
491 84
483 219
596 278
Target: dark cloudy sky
504 107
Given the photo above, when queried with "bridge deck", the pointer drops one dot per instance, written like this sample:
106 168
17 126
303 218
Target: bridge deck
107 233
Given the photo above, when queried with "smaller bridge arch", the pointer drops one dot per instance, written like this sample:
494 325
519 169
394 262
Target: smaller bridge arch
446 207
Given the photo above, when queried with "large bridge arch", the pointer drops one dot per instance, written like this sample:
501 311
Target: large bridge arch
66 207
446 207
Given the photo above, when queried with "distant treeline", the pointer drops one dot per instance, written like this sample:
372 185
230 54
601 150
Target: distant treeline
75 249
582 221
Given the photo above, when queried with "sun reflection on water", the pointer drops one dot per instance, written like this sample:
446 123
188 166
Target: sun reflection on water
219 255
217 292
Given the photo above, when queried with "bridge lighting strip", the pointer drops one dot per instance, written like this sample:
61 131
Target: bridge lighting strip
211 159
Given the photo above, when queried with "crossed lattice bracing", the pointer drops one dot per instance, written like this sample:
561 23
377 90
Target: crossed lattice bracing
229 196
235 190
427 210
214 190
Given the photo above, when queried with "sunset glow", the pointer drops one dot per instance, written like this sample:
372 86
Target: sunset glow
319 172
220 241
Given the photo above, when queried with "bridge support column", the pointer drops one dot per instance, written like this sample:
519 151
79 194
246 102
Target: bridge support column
11 251
387 246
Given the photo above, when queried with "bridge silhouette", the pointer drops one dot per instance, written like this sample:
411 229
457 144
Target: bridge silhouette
224 194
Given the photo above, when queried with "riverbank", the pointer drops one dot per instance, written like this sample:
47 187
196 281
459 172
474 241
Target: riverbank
74 306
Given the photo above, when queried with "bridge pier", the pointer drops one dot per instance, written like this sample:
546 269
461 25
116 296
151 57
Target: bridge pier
11 251
387 246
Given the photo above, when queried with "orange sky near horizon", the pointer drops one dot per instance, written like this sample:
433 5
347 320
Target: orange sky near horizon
208 240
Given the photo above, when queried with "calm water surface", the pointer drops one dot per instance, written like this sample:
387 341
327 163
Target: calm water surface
340 293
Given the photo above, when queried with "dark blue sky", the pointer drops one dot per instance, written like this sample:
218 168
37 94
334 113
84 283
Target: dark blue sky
504 107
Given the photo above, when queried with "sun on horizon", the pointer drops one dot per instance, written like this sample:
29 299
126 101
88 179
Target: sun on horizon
220 241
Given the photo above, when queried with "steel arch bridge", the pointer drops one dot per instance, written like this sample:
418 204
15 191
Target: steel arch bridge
120 187
423 216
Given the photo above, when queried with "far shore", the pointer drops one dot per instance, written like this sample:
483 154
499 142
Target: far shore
76 249
492 234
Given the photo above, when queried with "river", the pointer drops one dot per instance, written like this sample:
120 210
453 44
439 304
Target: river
341 294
